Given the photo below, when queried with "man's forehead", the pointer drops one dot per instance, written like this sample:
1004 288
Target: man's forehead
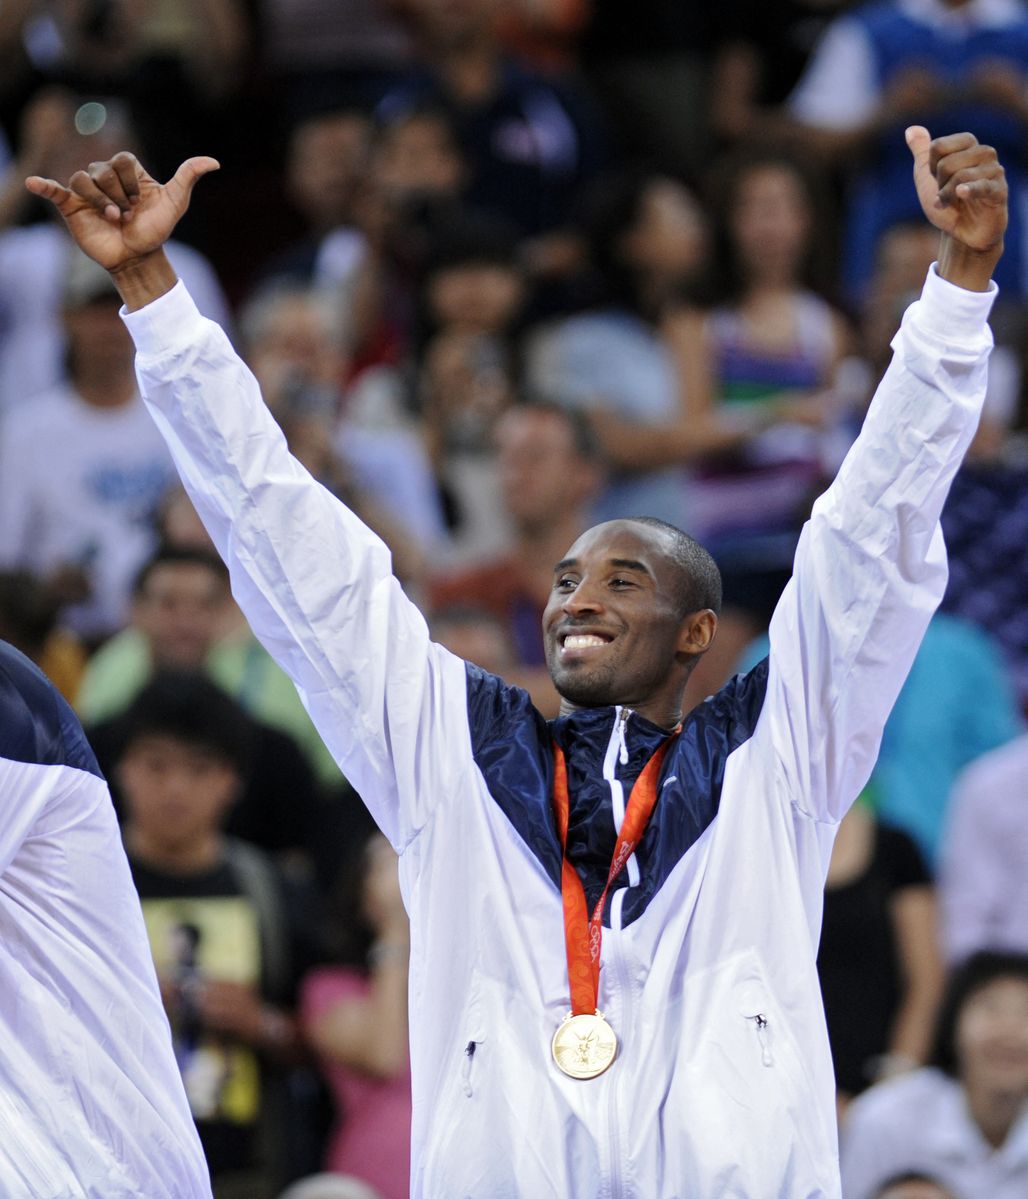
622 539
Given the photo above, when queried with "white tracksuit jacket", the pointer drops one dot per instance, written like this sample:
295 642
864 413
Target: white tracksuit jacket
723 1086
92 1105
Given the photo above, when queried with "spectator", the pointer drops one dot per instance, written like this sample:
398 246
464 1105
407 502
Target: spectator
474 289
30 621
626 362
82 467
530 141
362 445
35 258
183 616
355 1017
964 1120
180 602
326 157
772 347
229 936
878 962
955 64
548 470
984 879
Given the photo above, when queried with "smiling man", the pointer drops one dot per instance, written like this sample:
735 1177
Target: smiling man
614 915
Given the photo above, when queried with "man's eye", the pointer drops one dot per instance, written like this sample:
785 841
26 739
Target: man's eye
619 582
564 583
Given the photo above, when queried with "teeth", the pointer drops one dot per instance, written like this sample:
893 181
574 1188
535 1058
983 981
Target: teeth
581 640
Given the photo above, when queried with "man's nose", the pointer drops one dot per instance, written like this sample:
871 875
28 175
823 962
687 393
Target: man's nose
585 598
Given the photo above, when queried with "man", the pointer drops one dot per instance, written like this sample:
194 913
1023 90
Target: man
710 1074
91 1104
229 935
82 469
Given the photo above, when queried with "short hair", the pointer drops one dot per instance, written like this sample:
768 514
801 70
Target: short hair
978 971
177 555
700 576
583 438
187 706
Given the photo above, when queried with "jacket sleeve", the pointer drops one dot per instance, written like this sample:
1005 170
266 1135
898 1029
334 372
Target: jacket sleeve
315 584
870 567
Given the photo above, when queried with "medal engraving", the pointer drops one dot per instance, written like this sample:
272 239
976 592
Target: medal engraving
584 1046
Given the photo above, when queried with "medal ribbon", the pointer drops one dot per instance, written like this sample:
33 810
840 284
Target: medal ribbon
583 934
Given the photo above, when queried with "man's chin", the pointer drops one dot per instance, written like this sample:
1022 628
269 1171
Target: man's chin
584 692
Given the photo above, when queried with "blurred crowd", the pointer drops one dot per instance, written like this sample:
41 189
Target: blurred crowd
504 269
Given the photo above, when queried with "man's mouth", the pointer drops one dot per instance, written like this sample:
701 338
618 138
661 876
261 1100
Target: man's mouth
577 642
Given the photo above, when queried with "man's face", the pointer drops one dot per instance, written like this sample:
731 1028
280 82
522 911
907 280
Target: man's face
539 467
176 793
179 612
612 627
97 337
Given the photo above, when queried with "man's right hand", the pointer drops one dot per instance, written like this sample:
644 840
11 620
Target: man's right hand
117 213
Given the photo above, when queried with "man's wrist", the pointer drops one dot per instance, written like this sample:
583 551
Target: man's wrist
967 268
140 281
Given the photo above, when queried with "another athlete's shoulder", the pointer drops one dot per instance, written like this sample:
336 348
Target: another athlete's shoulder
37 725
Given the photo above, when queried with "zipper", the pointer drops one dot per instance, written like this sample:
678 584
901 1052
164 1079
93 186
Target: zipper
465 1069
763 1030
617 751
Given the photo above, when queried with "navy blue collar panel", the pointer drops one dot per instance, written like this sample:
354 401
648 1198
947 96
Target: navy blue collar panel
37 725
513 747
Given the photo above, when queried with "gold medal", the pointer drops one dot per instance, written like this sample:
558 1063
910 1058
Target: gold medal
584 1046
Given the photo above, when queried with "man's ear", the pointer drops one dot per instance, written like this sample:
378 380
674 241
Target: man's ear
697 632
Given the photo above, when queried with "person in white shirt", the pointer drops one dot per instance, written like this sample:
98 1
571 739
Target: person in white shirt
82 468
963 1120
91 1101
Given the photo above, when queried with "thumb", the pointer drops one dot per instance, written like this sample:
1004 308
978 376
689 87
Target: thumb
185 178
919 140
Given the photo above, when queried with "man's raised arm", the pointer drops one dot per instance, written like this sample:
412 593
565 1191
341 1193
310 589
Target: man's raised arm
315 584
870 568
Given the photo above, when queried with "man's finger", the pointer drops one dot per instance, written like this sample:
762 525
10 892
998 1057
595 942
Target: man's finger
48 189
126 166
82 185
974 157
107 180
184 179
919 140
992 190
953 143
